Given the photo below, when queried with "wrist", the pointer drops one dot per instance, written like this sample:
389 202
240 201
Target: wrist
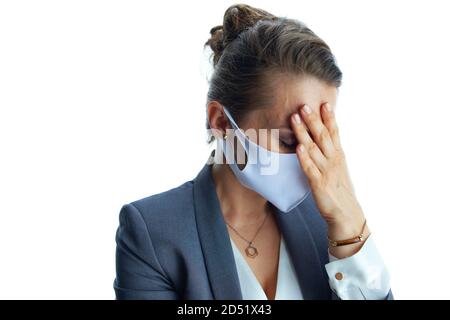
345 228
346 234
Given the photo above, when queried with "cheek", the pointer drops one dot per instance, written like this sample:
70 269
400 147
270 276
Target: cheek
270 140
273 142
266 140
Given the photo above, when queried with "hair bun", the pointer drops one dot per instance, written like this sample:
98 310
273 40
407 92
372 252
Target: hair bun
216 42
240 17
236 19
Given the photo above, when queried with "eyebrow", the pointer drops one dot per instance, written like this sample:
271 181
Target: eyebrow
282 125
285 123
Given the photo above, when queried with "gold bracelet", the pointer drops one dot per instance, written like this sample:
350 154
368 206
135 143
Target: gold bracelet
338 243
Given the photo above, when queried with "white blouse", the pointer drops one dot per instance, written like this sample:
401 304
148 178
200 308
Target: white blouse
287 283
362 276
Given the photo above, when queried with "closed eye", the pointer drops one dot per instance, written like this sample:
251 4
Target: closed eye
288 142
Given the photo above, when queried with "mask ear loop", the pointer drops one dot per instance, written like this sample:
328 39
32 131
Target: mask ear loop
242 140
241 136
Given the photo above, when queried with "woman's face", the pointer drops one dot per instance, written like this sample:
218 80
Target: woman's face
290 94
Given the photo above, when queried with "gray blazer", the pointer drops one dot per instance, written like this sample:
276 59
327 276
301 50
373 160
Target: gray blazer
175 245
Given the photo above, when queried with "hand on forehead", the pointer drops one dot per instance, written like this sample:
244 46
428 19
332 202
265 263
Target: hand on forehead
289 94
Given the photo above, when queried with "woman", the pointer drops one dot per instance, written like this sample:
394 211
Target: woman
295 231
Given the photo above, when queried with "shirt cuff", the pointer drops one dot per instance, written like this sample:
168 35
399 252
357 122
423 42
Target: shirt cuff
362 276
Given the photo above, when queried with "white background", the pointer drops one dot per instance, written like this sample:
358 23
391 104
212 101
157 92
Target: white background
103 103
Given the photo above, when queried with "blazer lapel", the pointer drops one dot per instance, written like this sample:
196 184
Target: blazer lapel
303 252
214 239
218 253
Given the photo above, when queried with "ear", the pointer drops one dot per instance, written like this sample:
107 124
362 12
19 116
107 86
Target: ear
217 118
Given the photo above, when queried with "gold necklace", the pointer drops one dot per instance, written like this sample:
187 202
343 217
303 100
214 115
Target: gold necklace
251 250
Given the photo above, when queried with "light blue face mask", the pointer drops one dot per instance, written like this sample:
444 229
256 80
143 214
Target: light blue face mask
278 177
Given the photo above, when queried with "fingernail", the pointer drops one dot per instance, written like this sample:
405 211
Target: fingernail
307 109
328 106
302 148
297 118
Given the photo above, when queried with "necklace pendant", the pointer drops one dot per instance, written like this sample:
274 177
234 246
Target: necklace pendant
251 251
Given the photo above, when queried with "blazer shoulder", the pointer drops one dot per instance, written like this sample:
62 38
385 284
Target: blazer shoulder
168 218
173 200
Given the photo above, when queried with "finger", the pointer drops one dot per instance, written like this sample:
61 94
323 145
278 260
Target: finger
304 138
319 131
329 120
312 172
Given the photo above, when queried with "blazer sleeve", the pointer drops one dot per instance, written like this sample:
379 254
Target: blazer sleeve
139 275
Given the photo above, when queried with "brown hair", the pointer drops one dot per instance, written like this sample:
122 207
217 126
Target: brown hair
251 46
